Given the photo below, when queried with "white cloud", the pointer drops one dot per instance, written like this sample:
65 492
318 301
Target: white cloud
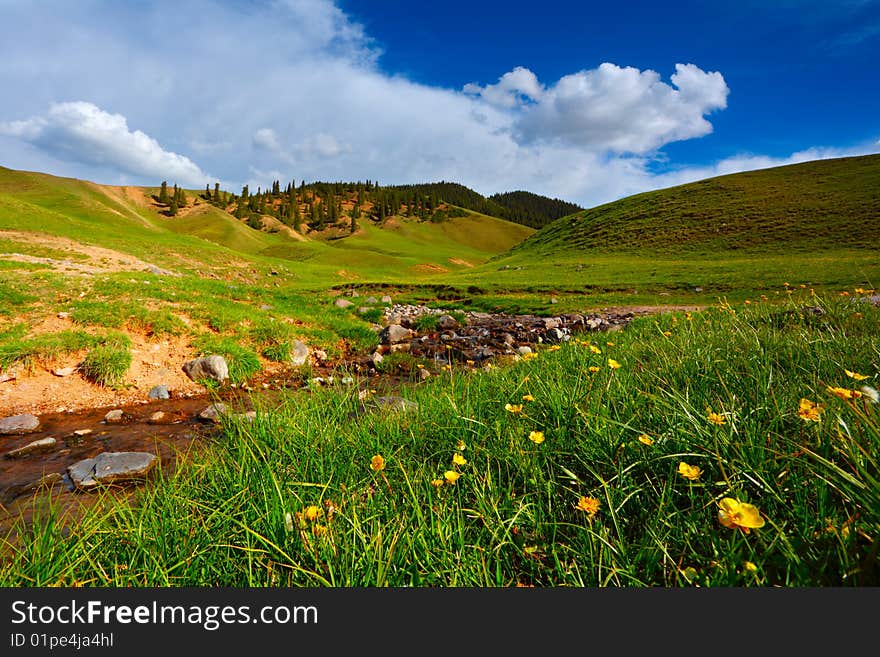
624 110
82 132
513 89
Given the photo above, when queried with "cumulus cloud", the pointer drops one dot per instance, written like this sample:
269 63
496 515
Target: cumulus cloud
512 89
82 132
623 109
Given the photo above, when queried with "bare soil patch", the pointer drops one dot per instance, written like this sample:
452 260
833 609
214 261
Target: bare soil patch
99 259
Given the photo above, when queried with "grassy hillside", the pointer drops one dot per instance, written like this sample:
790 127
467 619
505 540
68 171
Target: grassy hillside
805 207
738 236
112 259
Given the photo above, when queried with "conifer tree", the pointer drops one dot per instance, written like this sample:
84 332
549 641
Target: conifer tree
163 193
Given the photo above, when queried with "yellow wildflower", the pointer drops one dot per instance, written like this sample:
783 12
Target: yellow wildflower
319 530
529 356
610 344
458 459
645 439
311 513
537 437
734 514
513 408
667 333
589 505
593 369
595 349
451 476
752 568
377 463
809 410
555 347
691 472
715 418
613 364
856 375
436 483
528 398
461 446
844 393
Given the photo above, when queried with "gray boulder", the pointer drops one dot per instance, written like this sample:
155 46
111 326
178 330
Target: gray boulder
159 392
447 323
394 333
213 413
111 467
299 354
18 424
212 367
115 417
35 446
386 299
343 303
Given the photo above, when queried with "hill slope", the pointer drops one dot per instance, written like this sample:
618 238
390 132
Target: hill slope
809 206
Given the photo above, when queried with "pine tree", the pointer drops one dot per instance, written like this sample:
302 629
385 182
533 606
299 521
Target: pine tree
163 193
172 210
355 213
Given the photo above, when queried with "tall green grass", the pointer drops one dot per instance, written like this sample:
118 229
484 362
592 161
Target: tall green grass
294 499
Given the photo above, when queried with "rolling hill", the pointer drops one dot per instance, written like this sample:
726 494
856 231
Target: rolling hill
805 207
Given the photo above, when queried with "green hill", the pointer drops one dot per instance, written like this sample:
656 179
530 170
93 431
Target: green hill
805 207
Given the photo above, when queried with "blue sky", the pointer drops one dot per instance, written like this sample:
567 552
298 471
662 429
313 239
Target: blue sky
580 100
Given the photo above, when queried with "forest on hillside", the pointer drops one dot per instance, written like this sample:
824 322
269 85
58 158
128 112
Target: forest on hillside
320 205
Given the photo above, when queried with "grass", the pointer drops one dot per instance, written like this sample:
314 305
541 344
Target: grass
292 499
107 364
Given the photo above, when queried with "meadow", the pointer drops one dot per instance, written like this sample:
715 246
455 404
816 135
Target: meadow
736 446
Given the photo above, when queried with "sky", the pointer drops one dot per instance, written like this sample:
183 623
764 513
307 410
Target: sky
579 100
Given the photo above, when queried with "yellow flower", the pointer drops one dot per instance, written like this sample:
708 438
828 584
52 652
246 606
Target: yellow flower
589 505
809 410
458 459
613 364
319 530
528 398
595 349
715 418
747 302
691 472
461 446
667 333
856 375
513 408
377 463
529 356
436 483
311 513
610 344
555 347
752 568
537 437
844 393
645 439
451 476
593 369
734 514
688 316
469 362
